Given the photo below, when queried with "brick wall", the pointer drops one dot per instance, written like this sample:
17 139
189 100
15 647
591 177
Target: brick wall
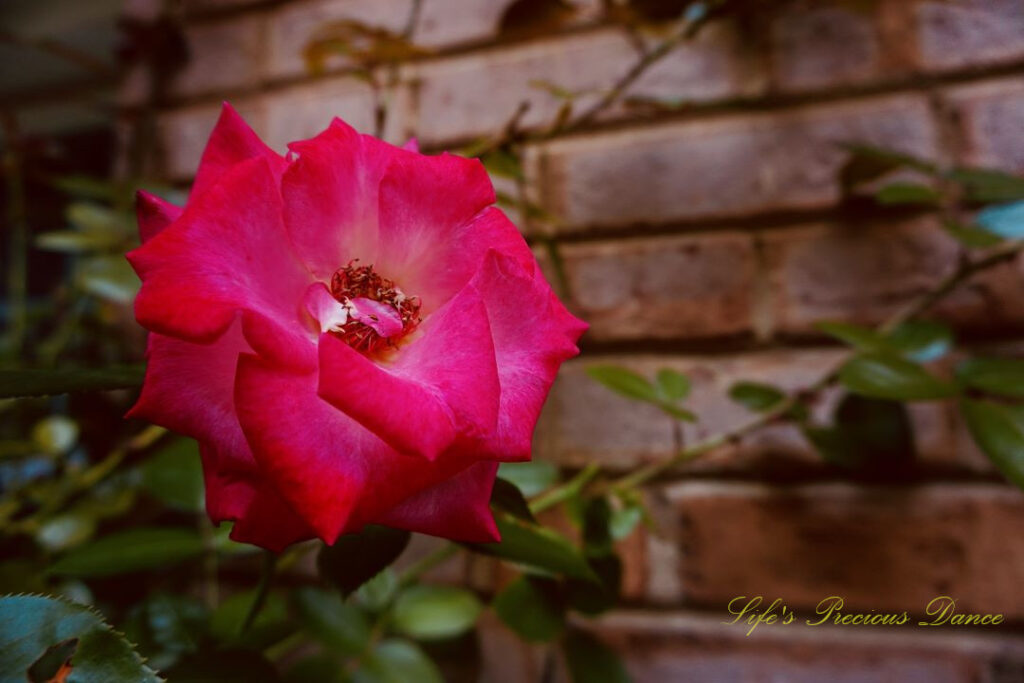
709 238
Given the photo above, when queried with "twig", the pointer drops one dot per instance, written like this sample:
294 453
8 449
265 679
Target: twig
266 579
426 563
916 307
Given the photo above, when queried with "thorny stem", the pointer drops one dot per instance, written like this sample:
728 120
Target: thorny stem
963 272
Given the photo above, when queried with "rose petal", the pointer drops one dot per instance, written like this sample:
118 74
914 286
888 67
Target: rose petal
330 197
382 318
424 201
458 508
154 214
325 309
441 386
227 253
335 473
188 389
533 334
232 142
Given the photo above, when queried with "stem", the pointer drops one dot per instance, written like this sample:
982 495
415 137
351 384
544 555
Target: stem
964 271
266 578
566 490
426 563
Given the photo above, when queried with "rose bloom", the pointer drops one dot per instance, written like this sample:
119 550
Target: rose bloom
352 332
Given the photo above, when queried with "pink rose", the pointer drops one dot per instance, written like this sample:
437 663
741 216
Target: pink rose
353 333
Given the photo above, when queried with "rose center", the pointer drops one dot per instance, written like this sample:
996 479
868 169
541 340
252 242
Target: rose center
379 313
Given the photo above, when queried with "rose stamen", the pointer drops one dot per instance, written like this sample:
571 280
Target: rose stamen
353 282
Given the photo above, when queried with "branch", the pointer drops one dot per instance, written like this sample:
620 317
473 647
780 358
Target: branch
951 282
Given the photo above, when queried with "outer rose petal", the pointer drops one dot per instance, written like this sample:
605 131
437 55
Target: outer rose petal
533 334
232 142
227 253
458 508
335 473
330 197
188 389
154 214
441 386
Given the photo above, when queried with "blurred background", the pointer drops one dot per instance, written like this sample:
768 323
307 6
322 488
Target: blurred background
702 222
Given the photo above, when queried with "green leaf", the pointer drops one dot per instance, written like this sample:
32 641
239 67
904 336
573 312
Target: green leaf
867 435
907 194
677 412
505 496
397 661
354 559
535 546
531 478
856 336
920 340
377 593
65 531
130 551
533 607
31 624
435 612
174 475
270 626
502 163
972 236
999 432
597 537
594 597
868 163
879 375
108 277
624 520
336 624
1005 220
74 242
673 386
320 667
987 185
756 396
998 376
21 383
236 665
99 221
591 661
624 382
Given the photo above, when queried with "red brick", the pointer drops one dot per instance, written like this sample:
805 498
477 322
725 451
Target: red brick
881 548
668 287
224 56
969 33
817 45
864 273
303 111
476 94
732 166
990 116
584 422
442 24
689 647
